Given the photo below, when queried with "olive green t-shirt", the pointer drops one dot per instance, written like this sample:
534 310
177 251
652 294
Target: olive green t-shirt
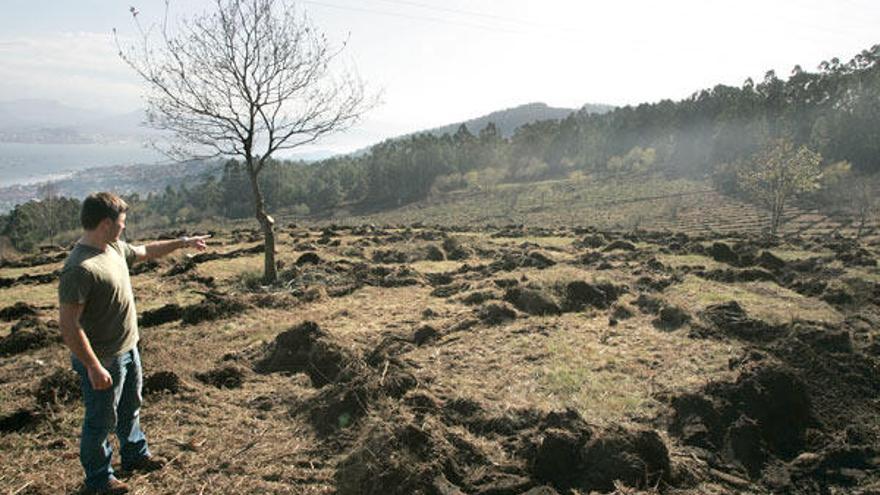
99 280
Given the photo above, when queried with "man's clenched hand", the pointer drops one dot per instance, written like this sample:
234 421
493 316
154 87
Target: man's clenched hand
100 378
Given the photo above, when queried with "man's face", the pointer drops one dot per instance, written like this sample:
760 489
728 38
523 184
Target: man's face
115 228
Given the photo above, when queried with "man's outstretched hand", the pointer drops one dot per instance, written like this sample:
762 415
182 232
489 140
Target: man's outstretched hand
197 242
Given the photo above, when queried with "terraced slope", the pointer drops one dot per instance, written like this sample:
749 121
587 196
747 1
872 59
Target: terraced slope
652 203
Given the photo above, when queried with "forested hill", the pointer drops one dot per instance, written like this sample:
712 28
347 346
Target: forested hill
834 111
509 119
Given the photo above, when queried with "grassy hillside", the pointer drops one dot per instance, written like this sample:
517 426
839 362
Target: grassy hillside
626 203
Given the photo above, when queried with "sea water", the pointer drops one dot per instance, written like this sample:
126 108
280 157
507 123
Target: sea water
31 163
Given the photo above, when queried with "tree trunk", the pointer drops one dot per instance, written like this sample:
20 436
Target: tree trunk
270 272
776 221
863 220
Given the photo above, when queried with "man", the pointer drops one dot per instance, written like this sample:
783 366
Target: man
98 323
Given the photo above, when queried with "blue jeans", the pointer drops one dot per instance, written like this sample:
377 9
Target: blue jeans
117 408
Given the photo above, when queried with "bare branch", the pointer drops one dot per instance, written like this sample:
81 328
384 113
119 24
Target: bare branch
248 79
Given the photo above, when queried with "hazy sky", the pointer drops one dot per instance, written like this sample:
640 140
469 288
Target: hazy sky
441 61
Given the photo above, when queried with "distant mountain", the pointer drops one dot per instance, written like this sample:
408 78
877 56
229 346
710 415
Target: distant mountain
37 121
508 120
36 113
131 123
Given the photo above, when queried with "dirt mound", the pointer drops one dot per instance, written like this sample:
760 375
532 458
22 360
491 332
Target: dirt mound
425 334
405 457
841 381
17 311
621 311
363 383
383 276
592 241
144 267
419 447
306 348
671 317
730 319
838 296
455 250
587 459
512 260
479 297
559 448
537 259
723 253
532 301
28 279
764 414
308 258
162 382
738 275
181 267
434 253
28 334
20 420
770 261
342 405
496 313
620 245
579 294
648 305
449 290
58 388
36 260
390 256
801 417
156 317
214 307
226 376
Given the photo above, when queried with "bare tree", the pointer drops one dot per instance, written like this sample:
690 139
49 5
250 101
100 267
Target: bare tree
864 201
247 79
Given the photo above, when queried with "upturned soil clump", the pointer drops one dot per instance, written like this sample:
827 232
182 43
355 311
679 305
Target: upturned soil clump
59 388
214 307
155 317
306 348
800 417
225 376
28 334
17 311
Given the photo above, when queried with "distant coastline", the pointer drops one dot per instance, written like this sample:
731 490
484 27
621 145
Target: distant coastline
29 163
78 169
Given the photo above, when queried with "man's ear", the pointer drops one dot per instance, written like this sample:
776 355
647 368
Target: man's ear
105 224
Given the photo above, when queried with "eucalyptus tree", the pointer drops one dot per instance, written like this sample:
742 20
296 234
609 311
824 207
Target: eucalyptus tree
777 174
246 79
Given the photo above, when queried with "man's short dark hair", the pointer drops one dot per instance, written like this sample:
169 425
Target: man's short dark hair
99 206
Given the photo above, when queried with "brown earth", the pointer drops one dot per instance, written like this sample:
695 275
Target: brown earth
493 361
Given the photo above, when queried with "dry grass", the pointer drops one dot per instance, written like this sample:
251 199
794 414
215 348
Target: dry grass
222 443
764 300
38 295
610 373
548 241
680 260
798 254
